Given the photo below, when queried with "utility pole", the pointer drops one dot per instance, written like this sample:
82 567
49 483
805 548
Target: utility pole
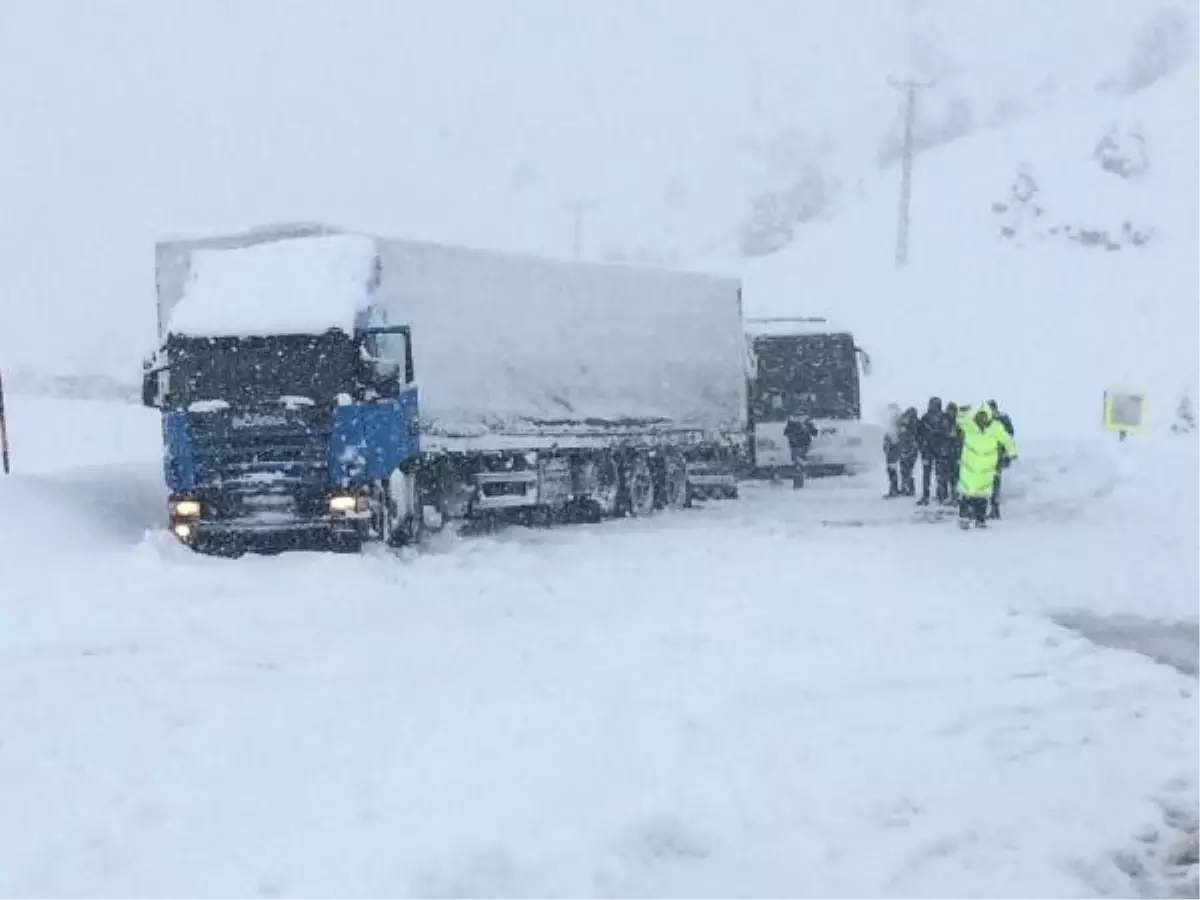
910 88
3 432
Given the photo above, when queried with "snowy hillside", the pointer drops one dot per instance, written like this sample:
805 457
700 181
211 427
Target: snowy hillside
484 124
1038 275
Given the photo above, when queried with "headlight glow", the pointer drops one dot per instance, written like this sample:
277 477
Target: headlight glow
343 503
182 530
186 508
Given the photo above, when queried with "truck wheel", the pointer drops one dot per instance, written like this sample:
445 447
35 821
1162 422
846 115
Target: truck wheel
404 500
639 487
383 514
606 487
675 493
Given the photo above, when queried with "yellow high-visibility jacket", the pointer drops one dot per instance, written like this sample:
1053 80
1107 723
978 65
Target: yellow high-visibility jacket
980 454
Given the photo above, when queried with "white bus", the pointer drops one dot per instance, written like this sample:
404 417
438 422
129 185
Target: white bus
802 366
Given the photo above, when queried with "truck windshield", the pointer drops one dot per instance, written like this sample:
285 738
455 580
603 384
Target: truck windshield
812 373
244 371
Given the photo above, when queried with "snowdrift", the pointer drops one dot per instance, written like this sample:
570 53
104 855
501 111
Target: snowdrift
1039 274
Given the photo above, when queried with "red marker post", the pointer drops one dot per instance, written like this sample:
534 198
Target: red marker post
3 429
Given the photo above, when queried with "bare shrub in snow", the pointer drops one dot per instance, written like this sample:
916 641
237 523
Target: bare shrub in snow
775 214
1123 153
1019 206
1023 214
1185 415
1164 44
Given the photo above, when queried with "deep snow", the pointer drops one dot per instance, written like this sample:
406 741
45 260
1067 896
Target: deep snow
794 694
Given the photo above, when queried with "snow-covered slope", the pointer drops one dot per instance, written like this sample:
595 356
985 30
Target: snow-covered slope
1037 276
474 123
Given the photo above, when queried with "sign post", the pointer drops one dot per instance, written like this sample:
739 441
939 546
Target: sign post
1124 411
3 429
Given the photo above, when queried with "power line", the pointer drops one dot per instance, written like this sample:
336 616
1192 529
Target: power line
910 88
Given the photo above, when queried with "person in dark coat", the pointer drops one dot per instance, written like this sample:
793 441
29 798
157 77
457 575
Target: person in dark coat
954 443
799 432
900 452
1006 422
934 444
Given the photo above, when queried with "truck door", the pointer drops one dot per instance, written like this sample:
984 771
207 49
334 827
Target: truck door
385 426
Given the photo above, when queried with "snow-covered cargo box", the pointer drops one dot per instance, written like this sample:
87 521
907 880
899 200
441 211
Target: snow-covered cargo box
510 347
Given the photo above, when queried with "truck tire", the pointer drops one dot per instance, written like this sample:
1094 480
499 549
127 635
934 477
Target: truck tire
383 514
606 488
405 502
674 492
639 487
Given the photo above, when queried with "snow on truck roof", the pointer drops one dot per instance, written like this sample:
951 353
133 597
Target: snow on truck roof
788 326
301 285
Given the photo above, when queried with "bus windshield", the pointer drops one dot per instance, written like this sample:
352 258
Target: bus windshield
814 374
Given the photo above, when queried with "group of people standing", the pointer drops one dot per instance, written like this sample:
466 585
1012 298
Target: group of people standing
962 450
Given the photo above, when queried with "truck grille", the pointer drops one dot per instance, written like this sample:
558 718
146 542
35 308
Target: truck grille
260 459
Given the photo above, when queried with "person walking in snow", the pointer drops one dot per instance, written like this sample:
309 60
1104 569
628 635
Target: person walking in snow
953 437
891 449
934 443
1005 422
900 452
799 432
984 438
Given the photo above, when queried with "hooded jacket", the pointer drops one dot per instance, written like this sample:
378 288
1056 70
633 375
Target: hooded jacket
983 439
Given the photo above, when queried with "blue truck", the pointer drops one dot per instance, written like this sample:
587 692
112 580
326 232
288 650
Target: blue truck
320 388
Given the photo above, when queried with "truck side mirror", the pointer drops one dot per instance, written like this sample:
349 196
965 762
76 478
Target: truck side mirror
864 360
150 387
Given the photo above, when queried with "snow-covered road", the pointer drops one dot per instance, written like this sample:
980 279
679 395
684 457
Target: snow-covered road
795 694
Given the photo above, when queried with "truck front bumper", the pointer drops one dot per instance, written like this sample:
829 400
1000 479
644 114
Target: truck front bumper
274 524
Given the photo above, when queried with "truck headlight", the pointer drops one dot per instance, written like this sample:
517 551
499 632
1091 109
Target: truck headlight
182 530
343 503
186 509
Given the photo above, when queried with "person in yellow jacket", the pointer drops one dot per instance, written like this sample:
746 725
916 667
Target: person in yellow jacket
983 437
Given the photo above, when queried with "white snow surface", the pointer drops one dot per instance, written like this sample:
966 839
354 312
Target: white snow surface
505 343
302 285
796 694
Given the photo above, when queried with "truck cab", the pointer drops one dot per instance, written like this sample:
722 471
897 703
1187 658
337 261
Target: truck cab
288 440
802 366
